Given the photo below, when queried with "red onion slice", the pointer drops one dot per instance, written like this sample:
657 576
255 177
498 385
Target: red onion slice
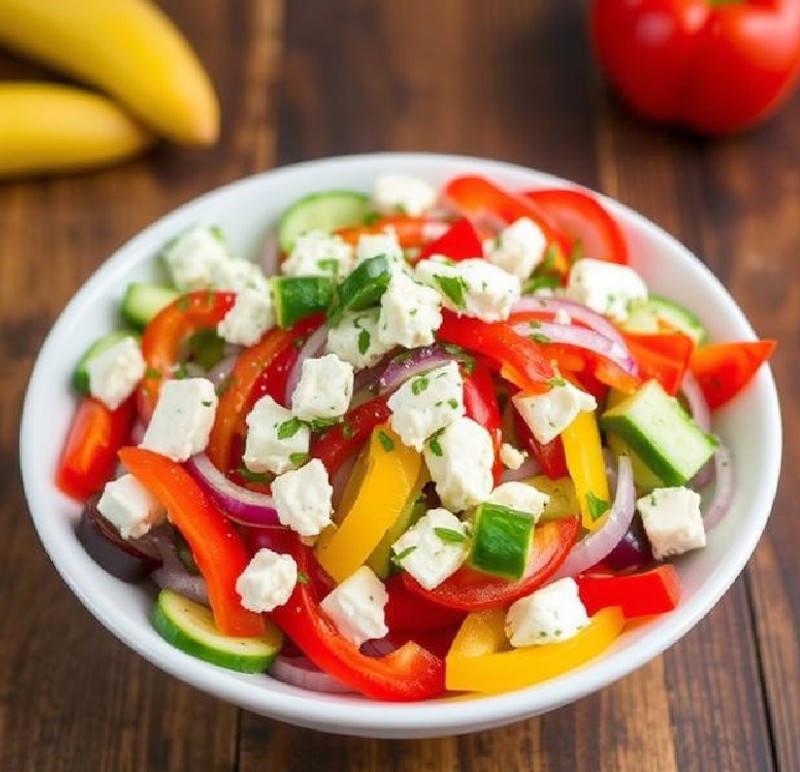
270 254
341 477
723 489
222 369
581 337
302 672
530 468
409 364
311 348
240 504
594 547
172 575
698 406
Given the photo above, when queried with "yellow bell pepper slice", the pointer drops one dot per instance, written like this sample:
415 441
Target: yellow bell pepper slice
390 477
563 500
478 660
587 468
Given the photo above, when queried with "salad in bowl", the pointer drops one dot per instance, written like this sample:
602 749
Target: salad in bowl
437 440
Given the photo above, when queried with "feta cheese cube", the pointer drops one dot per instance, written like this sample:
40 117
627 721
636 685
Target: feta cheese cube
548 414
460 460
183 418
192 257
316 253
607 288
251 316
130 507
471 287
521 497
428 557
237 275
410 313
276 440
267 582
355 339
511 457
373 244
356 607
519 248
115 372
303 498
324 389
672 520
554 613
426 403
404 194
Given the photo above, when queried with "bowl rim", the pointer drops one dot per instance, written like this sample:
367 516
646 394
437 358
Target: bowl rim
456 714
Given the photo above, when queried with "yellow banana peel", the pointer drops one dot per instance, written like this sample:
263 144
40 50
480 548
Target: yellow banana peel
127 48
46 128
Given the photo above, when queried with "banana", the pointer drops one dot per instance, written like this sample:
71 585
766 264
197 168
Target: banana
49 128
127 48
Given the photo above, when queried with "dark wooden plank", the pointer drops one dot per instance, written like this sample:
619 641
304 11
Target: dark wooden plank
72 697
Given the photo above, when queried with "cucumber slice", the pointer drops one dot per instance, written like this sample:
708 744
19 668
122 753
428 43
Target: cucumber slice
644 318
501 540
361 289
143 301
190 627
662 434
643 476
327 211
299 296
80 376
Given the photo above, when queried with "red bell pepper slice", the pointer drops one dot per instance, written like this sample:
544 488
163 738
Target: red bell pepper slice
408 612
550 455
89 456
656 591
714 67
662 357
216 545
724 369
472 590
480 404
460 242
580 215
163 336
521 360
407 674
337 443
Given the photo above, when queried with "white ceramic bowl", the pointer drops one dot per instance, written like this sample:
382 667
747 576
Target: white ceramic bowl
751 426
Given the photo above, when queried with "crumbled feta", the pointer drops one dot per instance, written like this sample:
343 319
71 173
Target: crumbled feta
471 287
426 555
521 497
548 414
355 339
554 613
356 607
276 440
324 389
192 256
519 248
236 275
251 316
114 372
604 287
267 582
130 507
511 457
374 244
303 498
672 520
460 460
402 193
426 403
410 313
183 418
316 253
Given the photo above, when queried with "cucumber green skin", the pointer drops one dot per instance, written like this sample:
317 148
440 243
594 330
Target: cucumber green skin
361 289
662 434
501 540
80 376
143 301
326 211
644 318
299 296
171 624
380 561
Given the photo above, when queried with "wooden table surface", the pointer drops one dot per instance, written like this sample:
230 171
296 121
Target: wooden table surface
512 80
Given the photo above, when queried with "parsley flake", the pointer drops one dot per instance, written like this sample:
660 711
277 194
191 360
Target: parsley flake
450 536
556 381
454 287
400 556
386 441
434 445
539 338
348 432
289 428
418 385
302 577
298 459
597 506
363 342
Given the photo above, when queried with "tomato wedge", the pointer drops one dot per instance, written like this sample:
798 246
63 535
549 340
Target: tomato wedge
584 219
459 242
650 592
408 612
472 590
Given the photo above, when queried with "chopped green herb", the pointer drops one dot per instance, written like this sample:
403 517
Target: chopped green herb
534 325
348 432
556 381
539 338
302 577
363 342
450 536
206 403
597 506
386 441
434 445
454 287
400 556
289 428
541 281
258 477
418 385
151 372
298 459
217 232
322 423
181 371
453 402
329 264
